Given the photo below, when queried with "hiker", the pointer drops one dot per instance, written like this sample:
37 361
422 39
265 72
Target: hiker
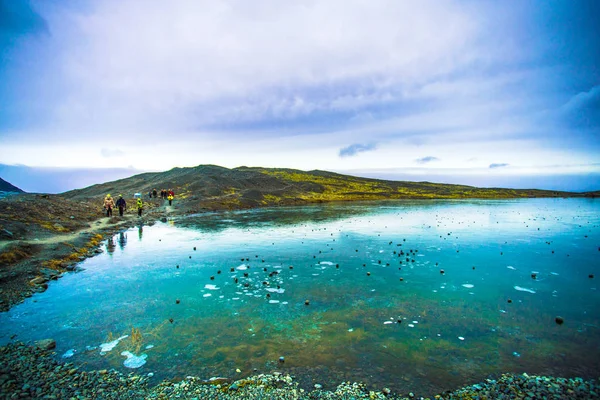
150 194
170 199
121 204
108 205
140 206
154 193
171 192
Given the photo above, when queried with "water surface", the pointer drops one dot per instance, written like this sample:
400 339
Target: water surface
416 296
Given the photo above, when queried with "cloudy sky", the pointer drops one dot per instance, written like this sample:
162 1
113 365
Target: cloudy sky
490 93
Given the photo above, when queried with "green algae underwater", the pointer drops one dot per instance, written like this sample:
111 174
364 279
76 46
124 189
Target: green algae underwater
421 296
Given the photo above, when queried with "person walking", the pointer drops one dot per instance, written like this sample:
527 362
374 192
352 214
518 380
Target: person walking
170 198
108 205
121 204
154 193
140 207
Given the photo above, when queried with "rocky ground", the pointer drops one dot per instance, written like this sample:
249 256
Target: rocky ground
32 372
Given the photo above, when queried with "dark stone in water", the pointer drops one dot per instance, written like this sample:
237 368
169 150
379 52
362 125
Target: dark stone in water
194 248
219 271
306 302
368 274
401 279
171 320
231 269
212 278
177 301
591 276
178 266
45 344
559 320
291 267
442 271
281 359
533 276
509 300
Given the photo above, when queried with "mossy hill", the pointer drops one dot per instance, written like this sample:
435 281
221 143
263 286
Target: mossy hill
213 187
8 187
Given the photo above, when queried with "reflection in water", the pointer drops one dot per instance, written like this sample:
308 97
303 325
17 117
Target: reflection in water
140 231
418 297
110 245
122 240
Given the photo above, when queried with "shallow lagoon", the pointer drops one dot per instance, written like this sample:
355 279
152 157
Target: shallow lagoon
153 303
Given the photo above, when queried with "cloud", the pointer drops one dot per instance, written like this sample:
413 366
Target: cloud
205 62
499 165
108 153
356 148
426 160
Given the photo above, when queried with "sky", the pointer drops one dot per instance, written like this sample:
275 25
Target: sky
487 93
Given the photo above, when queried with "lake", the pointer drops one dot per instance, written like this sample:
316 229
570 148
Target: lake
420 296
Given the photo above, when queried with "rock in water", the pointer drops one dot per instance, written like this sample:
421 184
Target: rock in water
45 344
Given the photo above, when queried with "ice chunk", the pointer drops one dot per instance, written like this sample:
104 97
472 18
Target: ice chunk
133 361
522 289
69 353
106 347
468 285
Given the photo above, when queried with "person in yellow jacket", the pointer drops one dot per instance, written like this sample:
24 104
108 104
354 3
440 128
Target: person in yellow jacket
109 204
170 198
140 206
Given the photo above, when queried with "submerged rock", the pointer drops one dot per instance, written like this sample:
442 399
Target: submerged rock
45 344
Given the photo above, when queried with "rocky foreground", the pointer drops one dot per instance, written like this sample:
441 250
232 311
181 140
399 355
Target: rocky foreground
31 372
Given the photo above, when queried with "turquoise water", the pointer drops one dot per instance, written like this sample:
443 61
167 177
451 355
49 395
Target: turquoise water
456 274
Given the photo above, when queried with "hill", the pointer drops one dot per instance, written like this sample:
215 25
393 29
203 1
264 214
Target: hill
213 187
8 187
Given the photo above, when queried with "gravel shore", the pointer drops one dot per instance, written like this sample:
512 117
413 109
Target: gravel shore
31 372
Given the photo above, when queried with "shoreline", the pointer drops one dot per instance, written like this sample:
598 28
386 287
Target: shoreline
31 371
24 368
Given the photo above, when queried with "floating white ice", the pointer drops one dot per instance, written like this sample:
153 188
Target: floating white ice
133 361
522 289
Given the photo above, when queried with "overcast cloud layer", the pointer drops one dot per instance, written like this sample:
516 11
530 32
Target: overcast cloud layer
445 88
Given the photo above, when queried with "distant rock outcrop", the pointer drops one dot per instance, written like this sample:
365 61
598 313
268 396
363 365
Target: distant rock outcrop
7 187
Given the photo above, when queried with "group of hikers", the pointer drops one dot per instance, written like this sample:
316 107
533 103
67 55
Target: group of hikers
109 203
164 194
